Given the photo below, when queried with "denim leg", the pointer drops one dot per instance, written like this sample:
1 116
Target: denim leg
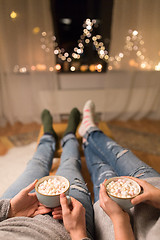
39 166
123 161
70 167
98 170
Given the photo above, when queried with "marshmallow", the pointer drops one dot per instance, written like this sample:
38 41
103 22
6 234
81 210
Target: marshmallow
122 188
52 187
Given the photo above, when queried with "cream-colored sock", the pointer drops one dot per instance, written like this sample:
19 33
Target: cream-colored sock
88 117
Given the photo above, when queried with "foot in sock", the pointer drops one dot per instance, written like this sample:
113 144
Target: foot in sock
47 122
74 119
88 117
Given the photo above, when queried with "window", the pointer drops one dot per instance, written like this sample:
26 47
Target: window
82 30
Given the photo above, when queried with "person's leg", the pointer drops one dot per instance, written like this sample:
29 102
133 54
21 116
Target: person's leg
39 166
70 167
123 161
98 170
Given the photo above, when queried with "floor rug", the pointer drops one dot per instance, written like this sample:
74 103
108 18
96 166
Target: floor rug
136 140
13 163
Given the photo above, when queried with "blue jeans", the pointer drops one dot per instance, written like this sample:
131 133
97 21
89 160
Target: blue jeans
106 159
70 167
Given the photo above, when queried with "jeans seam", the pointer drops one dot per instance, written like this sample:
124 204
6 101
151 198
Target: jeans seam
97 148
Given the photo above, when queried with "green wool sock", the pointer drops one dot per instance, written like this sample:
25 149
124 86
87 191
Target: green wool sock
47 122
74 119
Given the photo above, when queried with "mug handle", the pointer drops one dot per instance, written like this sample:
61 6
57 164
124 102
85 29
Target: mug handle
68 200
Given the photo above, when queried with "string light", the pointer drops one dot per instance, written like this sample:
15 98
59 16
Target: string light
98 67
92 68
33 68
51 69
58 67
78 50
41 67
13 14
23 70
36 30
47 39
110 68
157 67
72 68
134 43
83 68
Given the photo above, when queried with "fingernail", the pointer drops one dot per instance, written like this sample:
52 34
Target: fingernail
62 195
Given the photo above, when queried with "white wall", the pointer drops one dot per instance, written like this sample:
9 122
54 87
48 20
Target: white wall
81 81
117 95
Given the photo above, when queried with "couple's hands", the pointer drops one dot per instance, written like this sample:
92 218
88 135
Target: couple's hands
73 217
26 204
150 195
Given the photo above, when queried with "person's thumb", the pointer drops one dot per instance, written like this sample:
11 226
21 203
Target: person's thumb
64 204
103 191
140 198
30 187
